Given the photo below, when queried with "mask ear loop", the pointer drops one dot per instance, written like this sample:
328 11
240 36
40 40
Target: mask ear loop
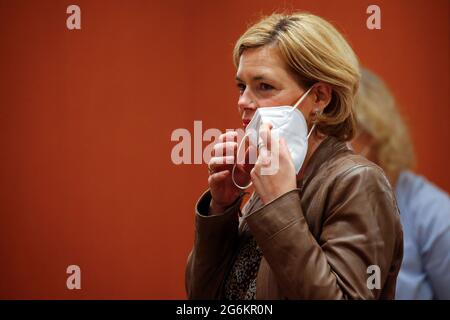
301 99
298 103
311 131
234 166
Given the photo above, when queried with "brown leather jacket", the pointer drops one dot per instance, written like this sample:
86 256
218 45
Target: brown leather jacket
317 241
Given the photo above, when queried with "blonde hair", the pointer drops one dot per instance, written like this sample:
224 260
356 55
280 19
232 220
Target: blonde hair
377 114
315 51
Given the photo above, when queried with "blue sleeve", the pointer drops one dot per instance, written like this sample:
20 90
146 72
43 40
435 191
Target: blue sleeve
433 231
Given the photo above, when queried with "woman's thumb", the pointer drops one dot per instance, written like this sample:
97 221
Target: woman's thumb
250 158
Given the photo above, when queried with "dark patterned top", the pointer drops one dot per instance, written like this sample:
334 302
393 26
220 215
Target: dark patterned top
241 281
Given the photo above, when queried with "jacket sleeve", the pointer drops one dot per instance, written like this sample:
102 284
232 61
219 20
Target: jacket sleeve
361 228
216 237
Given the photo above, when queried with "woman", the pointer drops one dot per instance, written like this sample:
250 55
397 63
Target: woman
311 235
424 209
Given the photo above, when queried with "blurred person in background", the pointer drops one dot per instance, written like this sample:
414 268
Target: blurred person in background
383 138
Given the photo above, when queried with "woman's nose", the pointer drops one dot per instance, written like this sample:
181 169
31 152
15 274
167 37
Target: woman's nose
246 102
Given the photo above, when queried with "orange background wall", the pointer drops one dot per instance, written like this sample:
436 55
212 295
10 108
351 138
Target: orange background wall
86 117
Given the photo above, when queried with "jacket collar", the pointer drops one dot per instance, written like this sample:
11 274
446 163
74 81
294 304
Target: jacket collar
328 149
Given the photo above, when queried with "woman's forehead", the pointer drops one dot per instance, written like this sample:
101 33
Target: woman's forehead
259 63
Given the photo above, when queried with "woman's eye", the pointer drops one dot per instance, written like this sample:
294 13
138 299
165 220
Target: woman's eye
265 87
241 87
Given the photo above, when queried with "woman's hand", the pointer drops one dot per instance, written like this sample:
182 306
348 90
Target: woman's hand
222 188
274 171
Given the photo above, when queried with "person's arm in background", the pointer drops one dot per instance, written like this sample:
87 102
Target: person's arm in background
216 238
432 222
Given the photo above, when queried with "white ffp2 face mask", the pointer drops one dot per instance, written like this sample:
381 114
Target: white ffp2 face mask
287 122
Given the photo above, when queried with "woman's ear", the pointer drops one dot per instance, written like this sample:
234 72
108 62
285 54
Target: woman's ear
321 94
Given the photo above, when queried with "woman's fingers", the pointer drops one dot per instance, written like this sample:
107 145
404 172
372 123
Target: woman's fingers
225 157
269 151
225 149
265 136
218 177
228 136
249 162
251 156
217 164
284 149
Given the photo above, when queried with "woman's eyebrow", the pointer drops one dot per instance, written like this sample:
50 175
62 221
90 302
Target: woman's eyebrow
254 78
